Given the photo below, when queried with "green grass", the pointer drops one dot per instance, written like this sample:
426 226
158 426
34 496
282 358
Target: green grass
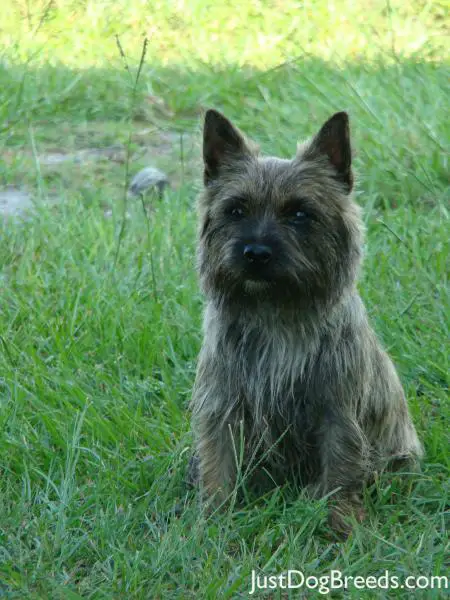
97 355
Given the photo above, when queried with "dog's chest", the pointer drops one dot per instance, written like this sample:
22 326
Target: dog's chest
281 414
270 369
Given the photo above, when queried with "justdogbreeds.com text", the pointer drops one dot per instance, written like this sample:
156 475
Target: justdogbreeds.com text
336 580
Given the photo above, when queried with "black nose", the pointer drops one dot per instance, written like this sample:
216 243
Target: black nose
258 253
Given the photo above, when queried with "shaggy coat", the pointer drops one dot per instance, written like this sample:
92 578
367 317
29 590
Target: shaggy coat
292 383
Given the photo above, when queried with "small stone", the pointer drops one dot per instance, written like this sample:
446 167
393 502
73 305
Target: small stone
148 178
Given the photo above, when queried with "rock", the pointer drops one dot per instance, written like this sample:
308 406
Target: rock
146 179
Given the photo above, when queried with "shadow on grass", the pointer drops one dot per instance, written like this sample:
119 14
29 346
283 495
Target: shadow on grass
397 112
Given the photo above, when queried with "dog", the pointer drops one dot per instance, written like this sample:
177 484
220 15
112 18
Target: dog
292 383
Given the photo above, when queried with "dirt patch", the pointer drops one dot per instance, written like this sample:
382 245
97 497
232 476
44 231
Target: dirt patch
14 201
167 152
114 153
152 145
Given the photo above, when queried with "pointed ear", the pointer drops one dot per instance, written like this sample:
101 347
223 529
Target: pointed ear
333 140
221 141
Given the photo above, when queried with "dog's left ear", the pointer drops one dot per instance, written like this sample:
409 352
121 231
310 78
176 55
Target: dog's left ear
333 140
222 142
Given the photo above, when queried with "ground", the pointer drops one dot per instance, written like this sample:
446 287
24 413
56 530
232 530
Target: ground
100 311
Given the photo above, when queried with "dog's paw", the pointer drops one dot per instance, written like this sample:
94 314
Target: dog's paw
342 517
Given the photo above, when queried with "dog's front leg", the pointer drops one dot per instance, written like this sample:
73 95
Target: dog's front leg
216 448
345 466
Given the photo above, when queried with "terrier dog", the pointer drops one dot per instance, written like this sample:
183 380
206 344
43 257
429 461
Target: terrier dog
291 377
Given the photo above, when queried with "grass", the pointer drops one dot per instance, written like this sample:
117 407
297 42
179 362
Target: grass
97 357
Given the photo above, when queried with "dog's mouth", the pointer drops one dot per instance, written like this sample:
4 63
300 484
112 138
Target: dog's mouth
258 280
258 276
269 279
259 272
252 287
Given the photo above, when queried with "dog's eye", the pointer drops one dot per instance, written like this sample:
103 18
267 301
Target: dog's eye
236 212
296 212
298 217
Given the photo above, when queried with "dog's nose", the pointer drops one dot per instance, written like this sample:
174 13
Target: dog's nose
258 253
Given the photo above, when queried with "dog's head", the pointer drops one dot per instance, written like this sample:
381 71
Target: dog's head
277 229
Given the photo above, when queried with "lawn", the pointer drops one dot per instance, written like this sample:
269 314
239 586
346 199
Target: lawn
100 309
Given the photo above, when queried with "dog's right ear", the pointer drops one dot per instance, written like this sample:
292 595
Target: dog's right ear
333 141
222 141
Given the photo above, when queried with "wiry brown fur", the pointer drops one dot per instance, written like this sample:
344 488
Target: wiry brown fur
289 365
